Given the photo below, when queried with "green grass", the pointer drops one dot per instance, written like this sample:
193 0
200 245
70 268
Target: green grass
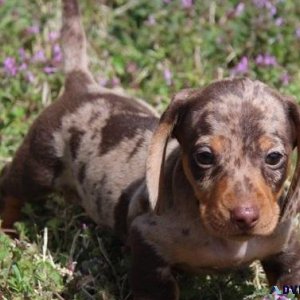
151 49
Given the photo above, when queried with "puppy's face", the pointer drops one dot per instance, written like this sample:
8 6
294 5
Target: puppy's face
236 139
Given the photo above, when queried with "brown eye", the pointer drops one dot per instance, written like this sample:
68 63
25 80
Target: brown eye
204 157
274 158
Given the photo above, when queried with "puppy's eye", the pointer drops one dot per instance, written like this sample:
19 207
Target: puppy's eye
274 158
204 158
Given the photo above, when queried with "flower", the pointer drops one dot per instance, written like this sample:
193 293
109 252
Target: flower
270 60
56 53
272 8
242 67
187 3
239 8
285 78
39 56
266 4
151 20
260 3
279 21
266 60
298 32
53 36
115 81
23 67
29 76
22 54
168 76
10 66
103 81
34 29
49 69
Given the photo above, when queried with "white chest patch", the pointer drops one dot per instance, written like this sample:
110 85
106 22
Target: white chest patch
199 250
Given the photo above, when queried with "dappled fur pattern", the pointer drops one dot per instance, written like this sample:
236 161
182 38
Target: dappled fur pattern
196 190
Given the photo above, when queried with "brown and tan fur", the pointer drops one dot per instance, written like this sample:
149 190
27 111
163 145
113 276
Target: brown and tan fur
195 190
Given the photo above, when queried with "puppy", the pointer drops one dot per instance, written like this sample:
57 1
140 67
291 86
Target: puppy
200 189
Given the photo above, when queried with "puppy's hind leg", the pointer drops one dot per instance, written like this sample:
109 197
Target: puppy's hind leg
30 176
10 206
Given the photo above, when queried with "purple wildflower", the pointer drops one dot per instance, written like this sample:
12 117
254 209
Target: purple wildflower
49 69
39 56
115 81
259 59
22 54
10 66
168 76
266 60
242 67
56 53
186 3
285 78
151 20
266 4
33 29
298 32
271 8
103 81
260 3
23 67
270 60
56 49
2 2
29 76
53 36
239 8
279 22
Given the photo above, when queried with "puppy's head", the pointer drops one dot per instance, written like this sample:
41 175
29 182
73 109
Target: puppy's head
236 138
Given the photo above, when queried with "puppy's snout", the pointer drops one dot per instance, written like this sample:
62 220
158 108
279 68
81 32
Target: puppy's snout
245 217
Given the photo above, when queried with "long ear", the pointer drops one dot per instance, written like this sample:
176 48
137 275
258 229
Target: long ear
158 145
292 200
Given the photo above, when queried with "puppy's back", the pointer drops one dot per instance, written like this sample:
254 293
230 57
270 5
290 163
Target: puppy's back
91 143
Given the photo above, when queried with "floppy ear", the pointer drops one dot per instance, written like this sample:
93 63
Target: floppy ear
158 145
291 202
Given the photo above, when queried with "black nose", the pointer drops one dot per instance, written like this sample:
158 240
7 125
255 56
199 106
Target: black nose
245 217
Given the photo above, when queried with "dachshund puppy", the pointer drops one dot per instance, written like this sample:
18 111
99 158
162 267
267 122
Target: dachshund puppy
200 189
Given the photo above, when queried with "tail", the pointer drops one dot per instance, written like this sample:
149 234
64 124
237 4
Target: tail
73 40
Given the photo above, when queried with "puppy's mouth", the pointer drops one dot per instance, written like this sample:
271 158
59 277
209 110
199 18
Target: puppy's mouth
229 231
241 237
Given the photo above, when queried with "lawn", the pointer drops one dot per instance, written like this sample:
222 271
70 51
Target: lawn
151 49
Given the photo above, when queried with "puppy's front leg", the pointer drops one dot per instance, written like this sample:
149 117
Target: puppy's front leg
284 267
151 277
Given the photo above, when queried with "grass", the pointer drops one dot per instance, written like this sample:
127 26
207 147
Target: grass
152 49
